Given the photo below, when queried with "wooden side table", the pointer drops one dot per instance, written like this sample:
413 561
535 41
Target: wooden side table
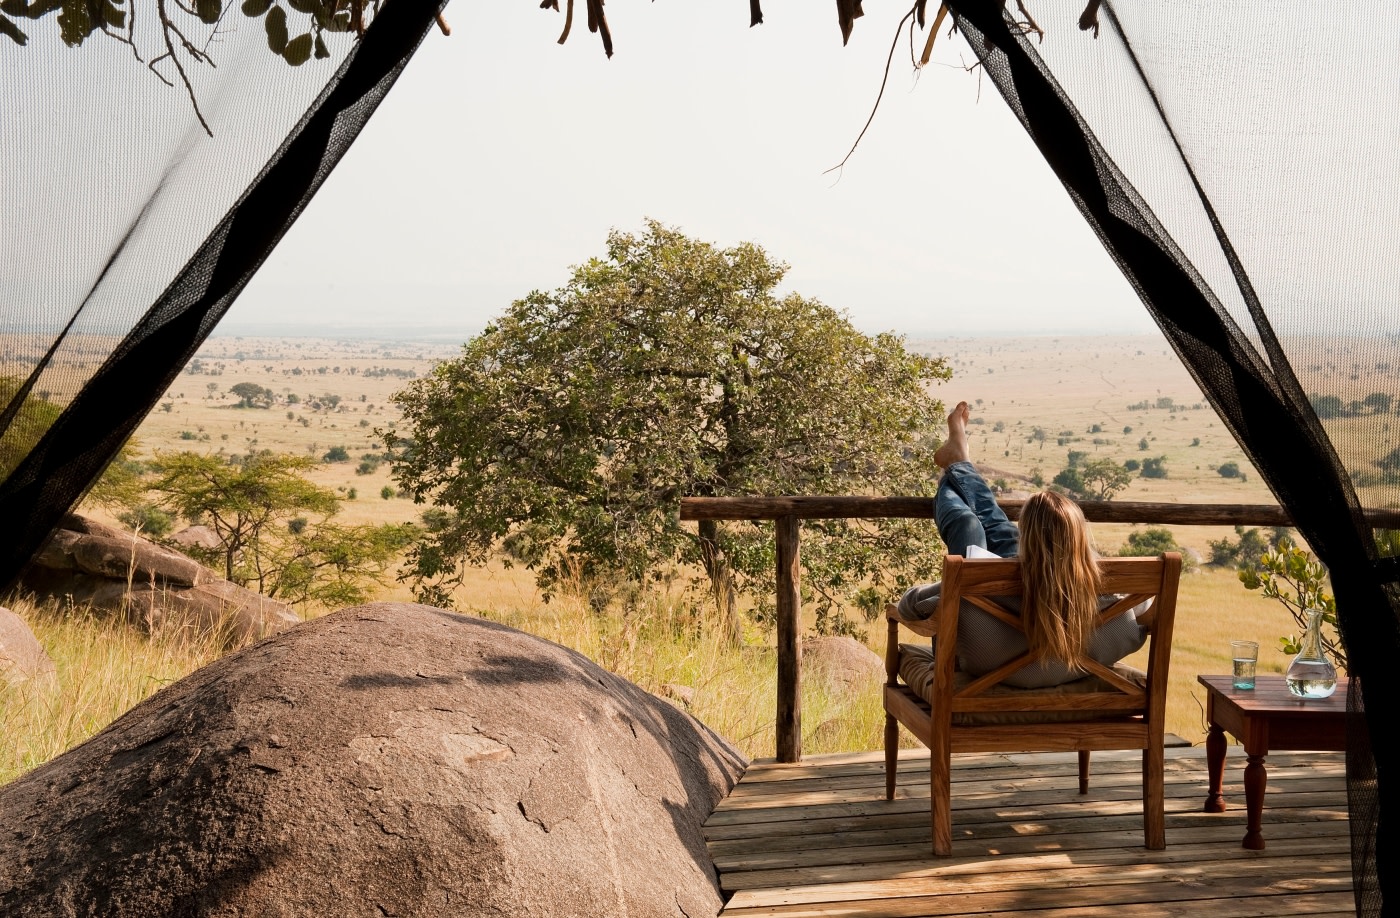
1263 718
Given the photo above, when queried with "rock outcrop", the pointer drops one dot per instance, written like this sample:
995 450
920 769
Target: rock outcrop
152 586
390 759
22 658
842 661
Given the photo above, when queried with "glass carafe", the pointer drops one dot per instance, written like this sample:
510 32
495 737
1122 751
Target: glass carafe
1311 674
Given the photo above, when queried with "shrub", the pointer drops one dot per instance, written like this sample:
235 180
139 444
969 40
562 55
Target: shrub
1151 542
1154 468
147 519
1248 548
337 454
1229 470
1327 406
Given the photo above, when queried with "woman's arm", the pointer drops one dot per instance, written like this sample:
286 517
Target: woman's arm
1146 614
920 602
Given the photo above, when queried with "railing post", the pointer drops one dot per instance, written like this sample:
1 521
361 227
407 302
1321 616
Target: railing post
789 726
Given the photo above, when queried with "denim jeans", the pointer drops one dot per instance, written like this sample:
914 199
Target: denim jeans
966 513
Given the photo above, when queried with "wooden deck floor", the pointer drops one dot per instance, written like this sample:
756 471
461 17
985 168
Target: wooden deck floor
819 839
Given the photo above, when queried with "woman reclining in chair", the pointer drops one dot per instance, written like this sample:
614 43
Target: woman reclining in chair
1060 599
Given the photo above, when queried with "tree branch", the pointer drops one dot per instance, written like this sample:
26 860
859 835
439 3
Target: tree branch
883 82
166 28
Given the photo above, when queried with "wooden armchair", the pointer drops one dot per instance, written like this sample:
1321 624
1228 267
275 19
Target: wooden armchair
1112 708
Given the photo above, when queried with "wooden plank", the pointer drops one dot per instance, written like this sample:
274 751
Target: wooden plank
1107 774
911 828
1215 850
768 769
994 822
806 807
967 842
967 877
1186 897
1315 905
1111 771
789 624
1338 902
849 507
805 508
912 813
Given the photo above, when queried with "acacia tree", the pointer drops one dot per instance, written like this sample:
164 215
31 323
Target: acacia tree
258 505
1092 479
1103 478
569 430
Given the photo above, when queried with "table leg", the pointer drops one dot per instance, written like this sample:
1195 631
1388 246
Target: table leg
1254 780
1215 769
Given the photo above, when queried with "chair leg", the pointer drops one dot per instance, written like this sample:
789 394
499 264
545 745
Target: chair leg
1154 820
940 800
891 755
1084 771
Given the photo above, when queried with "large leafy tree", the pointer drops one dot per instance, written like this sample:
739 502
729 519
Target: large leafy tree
568 431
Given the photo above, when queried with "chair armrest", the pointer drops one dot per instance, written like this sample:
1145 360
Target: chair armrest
924 626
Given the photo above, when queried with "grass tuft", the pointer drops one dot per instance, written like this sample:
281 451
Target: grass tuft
104 667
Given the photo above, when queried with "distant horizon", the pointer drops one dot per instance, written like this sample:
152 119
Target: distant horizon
445 333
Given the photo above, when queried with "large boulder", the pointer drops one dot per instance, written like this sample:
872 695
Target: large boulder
845 663
84 561
390 759
22 658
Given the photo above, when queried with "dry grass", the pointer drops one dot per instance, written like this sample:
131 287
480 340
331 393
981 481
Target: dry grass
669 651
104 668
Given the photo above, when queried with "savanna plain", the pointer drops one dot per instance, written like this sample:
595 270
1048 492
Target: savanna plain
1033 401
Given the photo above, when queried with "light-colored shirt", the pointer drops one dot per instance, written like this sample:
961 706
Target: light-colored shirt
985 642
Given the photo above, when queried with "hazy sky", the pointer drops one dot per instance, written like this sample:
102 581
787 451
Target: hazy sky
501 159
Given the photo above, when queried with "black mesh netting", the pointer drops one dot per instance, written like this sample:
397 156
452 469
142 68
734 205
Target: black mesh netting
128 228
1239 163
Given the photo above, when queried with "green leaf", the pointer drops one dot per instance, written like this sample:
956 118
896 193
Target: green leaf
340 22
276 25
13 31
256 7
303 6
112 14
76 22
208 10
322 52
298 50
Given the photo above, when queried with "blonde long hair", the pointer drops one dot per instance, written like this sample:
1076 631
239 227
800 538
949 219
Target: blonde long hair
1059 576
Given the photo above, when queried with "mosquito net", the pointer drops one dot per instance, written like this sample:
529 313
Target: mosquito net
153 154
1239 162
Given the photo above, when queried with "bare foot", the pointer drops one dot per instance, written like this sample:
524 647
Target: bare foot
955 449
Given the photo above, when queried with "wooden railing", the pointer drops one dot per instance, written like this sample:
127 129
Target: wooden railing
786 511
